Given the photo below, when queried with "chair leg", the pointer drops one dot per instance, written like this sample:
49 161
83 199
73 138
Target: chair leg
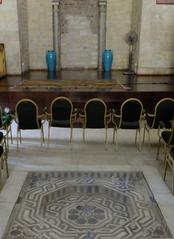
2 163
11 136
116 140
144 133
84 141
42 136
158 148
17 138
7 138
165 169
113 140
140 144
0 173
20 136
138 131
173 179
149 139
71 134
106 139
136 134
5 146
6 166
166 149
48 135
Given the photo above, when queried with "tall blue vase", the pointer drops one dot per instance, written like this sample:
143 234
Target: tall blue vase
51 60
107 60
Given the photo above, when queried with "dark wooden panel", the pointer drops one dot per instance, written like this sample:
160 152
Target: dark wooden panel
149 89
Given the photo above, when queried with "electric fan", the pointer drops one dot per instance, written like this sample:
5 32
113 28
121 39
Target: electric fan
131 39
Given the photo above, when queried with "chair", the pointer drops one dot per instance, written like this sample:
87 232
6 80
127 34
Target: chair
166 139
130 117
162 116
27 118
61 115
95 116
3 156
5 124
169 161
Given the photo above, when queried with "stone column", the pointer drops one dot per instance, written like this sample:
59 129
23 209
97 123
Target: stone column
56 30
102 31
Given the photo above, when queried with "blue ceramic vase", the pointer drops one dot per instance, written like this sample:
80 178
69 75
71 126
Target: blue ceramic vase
51 60
107 60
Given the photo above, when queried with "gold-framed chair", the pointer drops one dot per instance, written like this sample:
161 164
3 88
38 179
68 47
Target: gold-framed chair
27 118
166 140
161 118
5 125
62 114
131 117
95 116
3 157
169 161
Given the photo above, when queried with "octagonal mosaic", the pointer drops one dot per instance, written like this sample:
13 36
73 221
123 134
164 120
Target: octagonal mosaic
86 205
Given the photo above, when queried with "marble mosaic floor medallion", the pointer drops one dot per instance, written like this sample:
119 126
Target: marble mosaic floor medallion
86 205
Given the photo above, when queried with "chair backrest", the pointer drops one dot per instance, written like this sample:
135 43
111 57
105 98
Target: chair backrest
131 110
61 109
164 111
26 112
95 113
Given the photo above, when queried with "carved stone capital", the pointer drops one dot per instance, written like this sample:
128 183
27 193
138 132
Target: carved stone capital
55 2
102 3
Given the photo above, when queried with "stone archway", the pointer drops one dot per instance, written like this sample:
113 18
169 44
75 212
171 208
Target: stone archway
79 49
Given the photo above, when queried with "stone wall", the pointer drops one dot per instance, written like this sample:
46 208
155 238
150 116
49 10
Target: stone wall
153 23
79 40
79 33
40 31
23 34
9 35
156 54
119 14
136 27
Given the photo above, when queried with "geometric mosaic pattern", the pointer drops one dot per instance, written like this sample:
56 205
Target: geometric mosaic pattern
86 205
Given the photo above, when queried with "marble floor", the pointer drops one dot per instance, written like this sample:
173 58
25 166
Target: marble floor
91 156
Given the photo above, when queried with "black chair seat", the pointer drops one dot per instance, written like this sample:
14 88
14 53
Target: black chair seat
95 116
164 111
166 137
60 123
30 125
1 150
130 125
97 126
28 118
130 116
61 115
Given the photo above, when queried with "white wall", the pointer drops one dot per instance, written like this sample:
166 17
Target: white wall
9 35
40 31
156 52
136 27
119 13
23 34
